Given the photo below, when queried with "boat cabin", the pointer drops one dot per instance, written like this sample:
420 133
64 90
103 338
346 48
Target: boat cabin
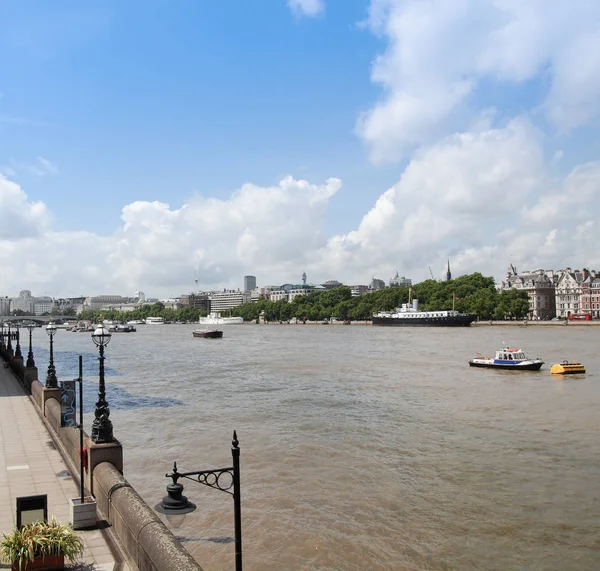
510 355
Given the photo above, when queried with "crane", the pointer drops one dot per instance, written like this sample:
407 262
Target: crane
431 273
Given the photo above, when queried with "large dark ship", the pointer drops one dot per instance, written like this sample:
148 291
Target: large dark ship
410 316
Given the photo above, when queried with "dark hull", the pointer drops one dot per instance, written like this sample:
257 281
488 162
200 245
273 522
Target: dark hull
451 321
532 367
208 334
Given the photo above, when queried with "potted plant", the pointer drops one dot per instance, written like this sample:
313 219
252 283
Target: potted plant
41 546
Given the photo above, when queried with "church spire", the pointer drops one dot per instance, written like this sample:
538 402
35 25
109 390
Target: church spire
448 274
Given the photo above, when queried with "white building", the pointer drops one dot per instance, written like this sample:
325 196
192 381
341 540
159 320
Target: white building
43 305
289 291
400 281
25 302
540 288
4 306
568 292
227 299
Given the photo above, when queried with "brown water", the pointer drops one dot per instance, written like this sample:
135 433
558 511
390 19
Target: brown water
366 448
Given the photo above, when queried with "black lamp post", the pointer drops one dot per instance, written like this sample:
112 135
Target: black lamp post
51 380
18 347
1 334
30 361
225 479
9 344
102 429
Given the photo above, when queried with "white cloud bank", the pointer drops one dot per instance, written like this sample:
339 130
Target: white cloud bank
483 198
441 52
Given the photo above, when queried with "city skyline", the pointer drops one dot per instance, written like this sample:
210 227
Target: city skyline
144 145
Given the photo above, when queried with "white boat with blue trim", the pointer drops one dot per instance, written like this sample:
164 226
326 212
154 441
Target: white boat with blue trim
513 359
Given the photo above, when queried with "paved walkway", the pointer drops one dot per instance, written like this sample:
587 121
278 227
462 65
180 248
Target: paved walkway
31 465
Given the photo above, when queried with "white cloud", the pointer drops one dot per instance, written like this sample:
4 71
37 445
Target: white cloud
306 7
440 52
482 198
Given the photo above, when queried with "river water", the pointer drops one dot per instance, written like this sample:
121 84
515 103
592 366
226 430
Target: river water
362 448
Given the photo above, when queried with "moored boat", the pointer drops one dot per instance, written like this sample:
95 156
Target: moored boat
567 368
512 359
212 334
214 318
410 315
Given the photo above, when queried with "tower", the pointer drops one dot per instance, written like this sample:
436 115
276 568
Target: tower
303 278
448 274
249 283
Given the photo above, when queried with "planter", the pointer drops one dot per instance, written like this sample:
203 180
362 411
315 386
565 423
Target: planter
83 515
48 563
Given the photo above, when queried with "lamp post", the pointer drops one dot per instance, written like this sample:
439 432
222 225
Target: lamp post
18 347
2 335
102 429
51 380
30 362
9 344
224 479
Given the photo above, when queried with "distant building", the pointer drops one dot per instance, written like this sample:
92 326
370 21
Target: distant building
539 285
249 283
196 300
376 284
4 306
25 302
228 299
568 292
590 295
448 273
332 284
289 291
43 305
400 281
358 290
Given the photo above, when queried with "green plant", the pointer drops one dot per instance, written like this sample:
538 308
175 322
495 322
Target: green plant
38 540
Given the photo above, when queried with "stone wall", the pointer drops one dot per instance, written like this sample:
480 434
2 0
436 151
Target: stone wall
147 542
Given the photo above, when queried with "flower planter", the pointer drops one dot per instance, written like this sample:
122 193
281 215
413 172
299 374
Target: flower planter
83 515
48 563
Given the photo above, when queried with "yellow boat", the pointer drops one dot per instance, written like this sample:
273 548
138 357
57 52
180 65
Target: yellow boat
566 368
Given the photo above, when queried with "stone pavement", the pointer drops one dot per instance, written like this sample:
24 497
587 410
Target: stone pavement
31 465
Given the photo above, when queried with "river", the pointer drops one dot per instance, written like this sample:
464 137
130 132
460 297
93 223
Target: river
362 448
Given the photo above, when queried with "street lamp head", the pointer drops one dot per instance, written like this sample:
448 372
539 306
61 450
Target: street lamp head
51 329
101 336
30 326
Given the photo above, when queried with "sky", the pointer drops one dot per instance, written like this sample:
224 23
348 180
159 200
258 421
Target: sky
147 144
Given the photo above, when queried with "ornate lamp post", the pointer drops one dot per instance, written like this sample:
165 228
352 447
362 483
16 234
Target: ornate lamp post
18 347
51 380
9 344
225 479
102 429
30 361
1 334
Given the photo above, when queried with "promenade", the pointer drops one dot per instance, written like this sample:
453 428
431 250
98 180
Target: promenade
31 465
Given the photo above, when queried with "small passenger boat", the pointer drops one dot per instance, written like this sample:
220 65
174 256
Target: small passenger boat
567 368
514 359
212 334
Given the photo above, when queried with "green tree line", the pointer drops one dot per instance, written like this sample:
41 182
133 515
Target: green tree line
472 293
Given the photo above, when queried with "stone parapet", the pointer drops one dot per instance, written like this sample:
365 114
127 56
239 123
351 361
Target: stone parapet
147 540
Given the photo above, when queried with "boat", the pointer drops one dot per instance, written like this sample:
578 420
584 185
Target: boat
155 320
567 368
120 328
214 318
513 359
410 315
212 334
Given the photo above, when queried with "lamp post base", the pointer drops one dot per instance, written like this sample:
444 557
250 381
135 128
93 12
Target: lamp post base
96 454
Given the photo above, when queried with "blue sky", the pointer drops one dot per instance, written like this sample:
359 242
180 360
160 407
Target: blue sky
142 141
137 101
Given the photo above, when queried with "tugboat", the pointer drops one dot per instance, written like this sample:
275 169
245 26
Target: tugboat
513 359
